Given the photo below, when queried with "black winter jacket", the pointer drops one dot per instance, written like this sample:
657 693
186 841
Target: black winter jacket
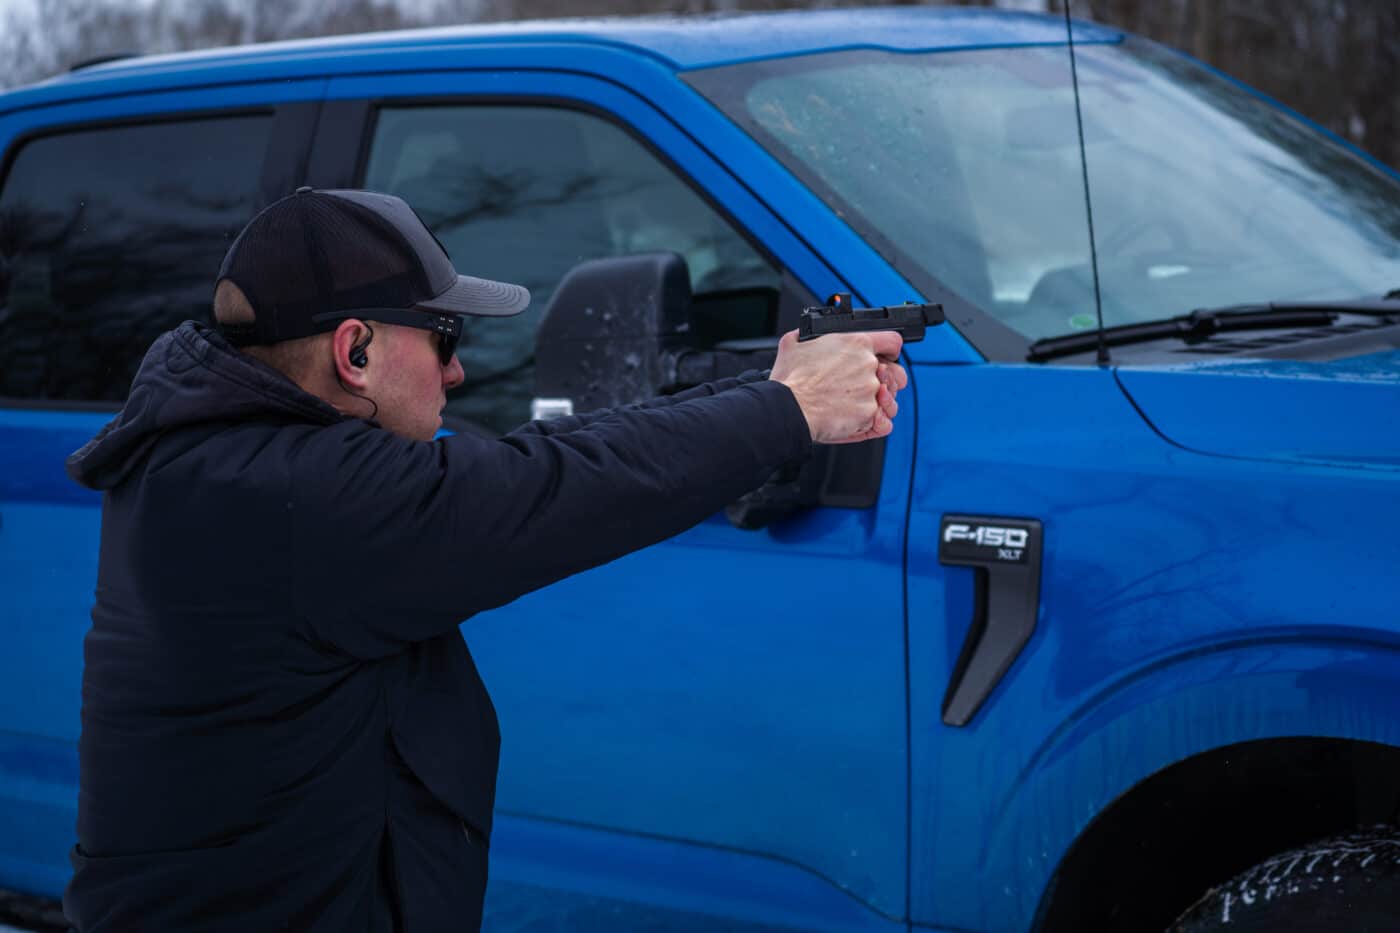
275 690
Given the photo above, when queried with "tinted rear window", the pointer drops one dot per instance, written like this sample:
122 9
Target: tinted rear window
109 237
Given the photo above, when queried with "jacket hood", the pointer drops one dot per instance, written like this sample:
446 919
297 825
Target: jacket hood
190 376
1342 412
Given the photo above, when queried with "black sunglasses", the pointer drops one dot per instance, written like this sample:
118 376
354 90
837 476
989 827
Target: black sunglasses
448 327
447 347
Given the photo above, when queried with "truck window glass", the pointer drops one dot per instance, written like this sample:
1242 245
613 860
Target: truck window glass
526 193
110 236
963 168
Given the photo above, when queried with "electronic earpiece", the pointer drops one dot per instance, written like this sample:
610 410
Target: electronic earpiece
358 358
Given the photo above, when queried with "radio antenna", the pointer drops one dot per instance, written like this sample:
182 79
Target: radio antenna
1103 359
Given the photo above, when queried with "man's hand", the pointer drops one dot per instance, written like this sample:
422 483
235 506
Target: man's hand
845 384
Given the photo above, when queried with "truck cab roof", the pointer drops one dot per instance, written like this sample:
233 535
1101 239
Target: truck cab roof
675 42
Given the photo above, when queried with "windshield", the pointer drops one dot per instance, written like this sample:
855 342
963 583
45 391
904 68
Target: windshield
962 168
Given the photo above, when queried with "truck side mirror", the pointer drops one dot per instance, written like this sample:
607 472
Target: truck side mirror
601 340
620 330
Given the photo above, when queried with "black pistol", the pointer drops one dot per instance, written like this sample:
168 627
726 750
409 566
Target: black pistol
840 316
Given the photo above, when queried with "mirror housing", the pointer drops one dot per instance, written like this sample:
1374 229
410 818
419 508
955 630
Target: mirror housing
602 340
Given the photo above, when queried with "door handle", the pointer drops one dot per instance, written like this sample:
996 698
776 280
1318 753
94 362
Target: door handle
1005 553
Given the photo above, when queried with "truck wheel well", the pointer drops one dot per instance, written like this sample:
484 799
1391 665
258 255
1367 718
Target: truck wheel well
1152 852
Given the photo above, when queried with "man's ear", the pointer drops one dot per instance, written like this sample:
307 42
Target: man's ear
349 345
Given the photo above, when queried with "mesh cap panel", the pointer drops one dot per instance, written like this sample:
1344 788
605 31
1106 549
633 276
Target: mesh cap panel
322 252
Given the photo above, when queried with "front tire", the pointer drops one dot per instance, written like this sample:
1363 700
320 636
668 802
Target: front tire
1349 882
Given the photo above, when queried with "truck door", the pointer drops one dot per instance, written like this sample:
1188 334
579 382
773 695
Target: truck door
715 726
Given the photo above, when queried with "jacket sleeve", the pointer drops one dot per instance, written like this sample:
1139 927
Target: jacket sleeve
574 422
398 540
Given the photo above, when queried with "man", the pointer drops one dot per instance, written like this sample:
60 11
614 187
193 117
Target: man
282 726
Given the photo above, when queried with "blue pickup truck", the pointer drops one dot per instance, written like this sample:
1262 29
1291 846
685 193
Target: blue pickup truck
1106 629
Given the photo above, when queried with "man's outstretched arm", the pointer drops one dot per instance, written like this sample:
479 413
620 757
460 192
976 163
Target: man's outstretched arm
447 529
889 372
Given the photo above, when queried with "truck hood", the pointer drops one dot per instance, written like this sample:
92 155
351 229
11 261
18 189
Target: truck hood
1342 412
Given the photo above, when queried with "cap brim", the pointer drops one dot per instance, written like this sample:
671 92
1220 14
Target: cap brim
482 297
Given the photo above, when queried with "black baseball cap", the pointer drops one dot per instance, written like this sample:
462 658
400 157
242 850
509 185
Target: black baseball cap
318 257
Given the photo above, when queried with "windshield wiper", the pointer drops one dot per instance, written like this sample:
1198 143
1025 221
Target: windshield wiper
1204 323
